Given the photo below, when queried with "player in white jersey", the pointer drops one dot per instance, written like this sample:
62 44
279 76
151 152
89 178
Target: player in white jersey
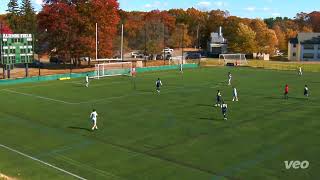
87 80
229 78
300 71
93 117
158 85
235 94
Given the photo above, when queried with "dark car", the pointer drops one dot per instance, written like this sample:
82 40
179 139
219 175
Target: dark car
193 56
56 60
36 64
159 57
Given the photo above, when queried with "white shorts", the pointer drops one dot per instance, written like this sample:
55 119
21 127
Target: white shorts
94 120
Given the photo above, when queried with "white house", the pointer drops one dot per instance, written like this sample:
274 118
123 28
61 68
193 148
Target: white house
217 44
305 47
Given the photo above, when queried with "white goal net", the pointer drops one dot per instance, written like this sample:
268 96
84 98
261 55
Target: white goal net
236 59
113 69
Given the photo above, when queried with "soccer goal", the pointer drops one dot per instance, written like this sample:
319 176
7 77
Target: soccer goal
113 69
236 59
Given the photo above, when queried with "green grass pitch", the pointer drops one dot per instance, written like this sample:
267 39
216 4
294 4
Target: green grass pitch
177 135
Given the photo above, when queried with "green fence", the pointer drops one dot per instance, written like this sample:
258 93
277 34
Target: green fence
91 73
163 68
44 78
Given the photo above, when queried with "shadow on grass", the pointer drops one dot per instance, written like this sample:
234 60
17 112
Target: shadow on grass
80 128
296 98
205 105
211 119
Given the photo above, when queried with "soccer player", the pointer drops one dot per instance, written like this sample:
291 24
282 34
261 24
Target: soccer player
87 80
306 91
300 71
219 98
235 94
93 117
286 91
229 78
181 68
224 108
158 85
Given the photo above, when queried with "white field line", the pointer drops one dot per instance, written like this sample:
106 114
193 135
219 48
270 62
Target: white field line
42 162
39 97
87 167
97 100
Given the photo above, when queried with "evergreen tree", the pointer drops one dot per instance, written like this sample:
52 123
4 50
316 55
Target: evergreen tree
28 17
13 15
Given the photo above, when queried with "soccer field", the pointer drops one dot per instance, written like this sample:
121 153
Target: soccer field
175 135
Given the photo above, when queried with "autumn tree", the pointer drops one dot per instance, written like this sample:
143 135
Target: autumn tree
282 40
106 14
4 28
314 20
180 37
244 41
69 26
266 38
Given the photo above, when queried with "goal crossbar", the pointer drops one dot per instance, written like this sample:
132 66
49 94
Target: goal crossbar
237 59
113 69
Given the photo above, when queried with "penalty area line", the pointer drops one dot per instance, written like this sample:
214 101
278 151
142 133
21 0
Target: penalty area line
39 97
42 162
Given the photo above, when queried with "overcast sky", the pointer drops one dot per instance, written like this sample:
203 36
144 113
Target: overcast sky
242 8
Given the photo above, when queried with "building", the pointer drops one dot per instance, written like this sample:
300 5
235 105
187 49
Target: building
217 44
304 47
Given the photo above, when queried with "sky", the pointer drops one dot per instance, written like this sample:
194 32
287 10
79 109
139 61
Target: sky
242 8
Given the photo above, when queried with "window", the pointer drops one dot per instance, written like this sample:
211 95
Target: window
12 51
319 56
308 55
294 45
308 46
13 59
294 54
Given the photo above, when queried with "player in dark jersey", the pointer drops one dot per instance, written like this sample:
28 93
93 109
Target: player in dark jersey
306 91
218 98
158 85
224 108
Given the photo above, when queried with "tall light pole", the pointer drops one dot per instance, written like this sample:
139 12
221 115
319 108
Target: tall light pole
182 43
96 41
121 51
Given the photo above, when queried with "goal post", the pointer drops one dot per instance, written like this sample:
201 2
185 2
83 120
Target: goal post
236 59
113 69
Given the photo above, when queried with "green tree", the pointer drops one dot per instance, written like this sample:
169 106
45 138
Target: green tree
13 15
28 17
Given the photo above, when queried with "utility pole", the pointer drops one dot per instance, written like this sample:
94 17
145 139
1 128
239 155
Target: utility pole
121 53
182 44
1 59
164 44
198 38
96 41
